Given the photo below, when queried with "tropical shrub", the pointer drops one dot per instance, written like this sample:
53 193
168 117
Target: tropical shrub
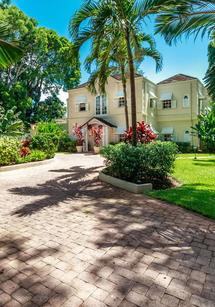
184 147
205 128
9 150
78 134
144 134
66 144
49 127
35 155
10 123
25 149
97 133
46 142
151 162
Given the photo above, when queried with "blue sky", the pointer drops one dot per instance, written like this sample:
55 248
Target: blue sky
186 57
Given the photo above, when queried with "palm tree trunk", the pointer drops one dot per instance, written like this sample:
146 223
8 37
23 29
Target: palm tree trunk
125 95
133 92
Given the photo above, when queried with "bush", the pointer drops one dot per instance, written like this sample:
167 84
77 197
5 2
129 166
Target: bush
184 147
46 142
50 127
36 155
66 144
9 150
151 162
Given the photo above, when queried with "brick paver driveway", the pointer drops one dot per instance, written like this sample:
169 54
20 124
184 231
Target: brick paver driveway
67 240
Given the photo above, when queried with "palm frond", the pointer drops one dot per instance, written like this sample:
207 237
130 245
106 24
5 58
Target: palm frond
9 51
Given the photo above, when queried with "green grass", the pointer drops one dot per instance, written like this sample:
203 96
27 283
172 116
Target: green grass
197 192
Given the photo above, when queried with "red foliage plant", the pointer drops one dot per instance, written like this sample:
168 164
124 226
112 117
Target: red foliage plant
25 150
97 133
144 134
77 132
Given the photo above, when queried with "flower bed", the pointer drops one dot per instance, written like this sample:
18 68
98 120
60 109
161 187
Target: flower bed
12 152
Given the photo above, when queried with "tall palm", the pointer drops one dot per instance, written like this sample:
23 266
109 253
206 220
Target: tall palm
111 57
176 18
92 22
108 59
9 51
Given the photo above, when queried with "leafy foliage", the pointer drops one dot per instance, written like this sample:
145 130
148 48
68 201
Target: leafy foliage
46 142
9 51
78 134
35 155
9 150
49 127
151 162
48 65
144 134
210 74
66 144
10 124
206 127
176 18
97 133
119 24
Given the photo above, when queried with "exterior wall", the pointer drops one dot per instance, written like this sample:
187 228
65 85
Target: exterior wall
180 118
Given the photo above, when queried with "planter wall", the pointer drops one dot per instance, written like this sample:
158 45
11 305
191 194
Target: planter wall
126 185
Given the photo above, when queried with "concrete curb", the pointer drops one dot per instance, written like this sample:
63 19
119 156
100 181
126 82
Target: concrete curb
126 185
24 165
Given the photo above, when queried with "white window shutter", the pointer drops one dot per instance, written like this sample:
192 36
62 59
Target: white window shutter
174 104
87 107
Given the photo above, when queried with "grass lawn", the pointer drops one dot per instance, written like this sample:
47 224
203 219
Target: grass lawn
198 190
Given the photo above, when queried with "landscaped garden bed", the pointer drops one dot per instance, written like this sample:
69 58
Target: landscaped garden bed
150 163
47 139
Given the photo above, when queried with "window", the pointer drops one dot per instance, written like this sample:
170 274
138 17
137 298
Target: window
186 102
167 137
151 103
101 105
167 104
82 107
121 102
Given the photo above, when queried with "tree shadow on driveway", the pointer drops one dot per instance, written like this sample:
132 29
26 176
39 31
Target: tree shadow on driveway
137 249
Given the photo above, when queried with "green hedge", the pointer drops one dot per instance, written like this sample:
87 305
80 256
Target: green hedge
9 150
47 142
153 162
35 155
66 144
184 147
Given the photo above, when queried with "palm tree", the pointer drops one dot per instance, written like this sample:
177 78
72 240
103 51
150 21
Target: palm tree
176 18
9 51
111 58
92 22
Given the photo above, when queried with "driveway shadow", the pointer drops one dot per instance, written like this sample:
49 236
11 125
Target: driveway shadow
147 246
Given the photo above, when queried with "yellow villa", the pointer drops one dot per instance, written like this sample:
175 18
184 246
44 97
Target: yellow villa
171 107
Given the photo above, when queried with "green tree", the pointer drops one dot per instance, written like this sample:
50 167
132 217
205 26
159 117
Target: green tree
47 66
49 109
110 57
92 22
206 128
10 124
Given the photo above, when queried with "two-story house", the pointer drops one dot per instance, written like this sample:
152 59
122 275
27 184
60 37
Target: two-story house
171 107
